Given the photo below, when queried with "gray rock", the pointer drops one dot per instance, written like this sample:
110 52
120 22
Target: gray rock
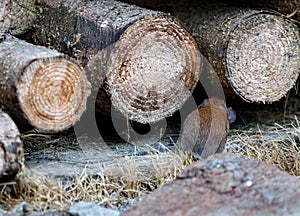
5 213
19 211
225 185
91 209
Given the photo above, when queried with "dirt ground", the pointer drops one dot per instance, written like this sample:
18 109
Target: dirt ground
48 153
116 174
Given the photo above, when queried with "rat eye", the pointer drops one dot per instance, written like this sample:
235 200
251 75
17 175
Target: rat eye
223 106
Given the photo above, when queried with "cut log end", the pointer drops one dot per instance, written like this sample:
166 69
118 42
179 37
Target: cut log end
263 57
11 150
153 69
52 93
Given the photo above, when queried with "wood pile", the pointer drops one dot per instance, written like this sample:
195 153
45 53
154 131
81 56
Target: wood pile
151 63
148 62
257 64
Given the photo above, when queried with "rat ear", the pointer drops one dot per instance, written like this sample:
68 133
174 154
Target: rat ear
231 115
204 103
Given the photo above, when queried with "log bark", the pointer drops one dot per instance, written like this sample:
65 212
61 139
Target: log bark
152 4
254 52
4 22
41 87
290 8
11 151
82 28
16 16
153 62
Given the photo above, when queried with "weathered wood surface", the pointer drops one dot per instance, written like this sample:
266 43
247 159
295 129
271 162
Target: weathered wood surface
16 16
94 156
151 62
11 151
254 52
41 87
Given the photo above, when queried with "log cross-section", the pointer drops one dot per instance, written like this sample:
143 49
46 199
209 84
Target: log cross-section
256 53
40 86
153 69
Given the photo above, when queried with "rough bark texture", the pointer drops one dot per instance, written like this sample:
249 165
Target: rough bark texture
205 129
290 8
153 4
11 151
16 16
4 21
41 86
255 53
82 28
225 184
151 68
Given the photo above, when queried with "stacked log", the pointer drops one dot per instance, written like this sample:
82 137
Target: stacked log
11 151
256 53
152 66
152 4
40 87
16 16
4 21
290 8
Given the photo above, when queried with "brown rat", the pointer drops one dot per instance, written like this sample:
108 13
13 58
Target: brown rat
205 129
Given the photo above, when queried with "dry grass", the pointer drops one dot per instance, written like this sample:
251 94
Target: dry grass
42 192
278 145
